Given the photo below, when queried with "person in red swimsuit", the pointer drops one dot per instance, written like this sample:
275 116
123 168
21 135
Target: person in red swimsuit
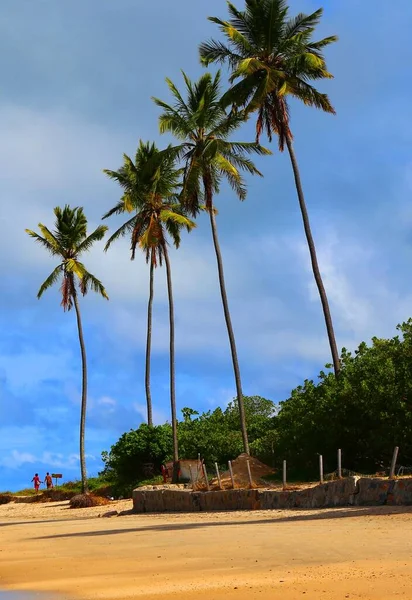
37 482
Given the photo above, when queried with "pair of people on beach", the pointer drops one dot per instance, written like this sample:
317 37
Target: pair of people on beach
47 480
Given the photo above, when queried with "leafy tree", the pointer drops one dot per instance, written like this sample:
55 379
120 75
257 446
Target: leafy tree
203 127
150 185
366 411
260 417
273 57
214 435
67 243
125 463
210 436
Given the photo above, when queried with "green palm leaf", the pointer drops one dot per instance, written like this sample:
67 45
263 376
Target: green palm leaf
51 280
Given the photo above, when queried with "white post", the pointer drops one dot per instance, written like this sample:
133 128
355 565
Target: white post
207 480
284 475
218 475
321 468
231 474
393 464
249 473
339 464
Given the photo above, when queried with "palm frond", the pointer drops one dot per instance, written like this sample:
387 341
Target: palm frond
97 235
310 96
75 267
67 291
216 52
121 232
266 52
51 238
42 241
51 280
302 23
167 215
90 282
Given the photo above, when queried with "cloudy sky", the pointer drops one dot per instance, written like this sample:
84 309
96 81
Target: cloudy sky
76 85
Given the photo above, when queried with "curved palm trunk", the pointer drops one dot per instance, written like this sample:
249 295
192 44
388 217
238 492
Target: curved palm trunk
172 367
85 488
314 260
230 332
148 348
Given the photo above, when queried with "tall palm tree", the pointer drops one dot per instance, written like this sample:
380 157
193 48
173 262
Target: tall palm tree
204 128
151 184
271 57
68 242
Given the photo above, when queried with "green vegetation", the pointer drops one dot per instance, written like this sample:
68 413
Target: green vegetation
98 486
366 411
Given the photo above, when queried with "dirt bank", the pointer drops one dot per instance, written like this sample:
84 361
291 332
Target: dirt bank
362 553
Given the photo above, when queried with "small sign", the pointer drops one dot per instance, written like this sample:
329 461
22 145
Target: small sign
56 476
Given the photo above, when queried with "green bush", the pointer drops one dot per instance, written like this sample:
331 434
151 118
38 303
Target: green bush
215 435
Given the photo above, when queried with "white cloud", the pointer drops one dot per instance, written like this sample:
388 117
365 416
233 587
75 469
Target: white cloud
15 459
107 401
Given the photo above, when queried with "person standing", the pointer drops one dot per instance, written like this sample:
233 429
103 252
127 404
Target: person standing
48 481
36 481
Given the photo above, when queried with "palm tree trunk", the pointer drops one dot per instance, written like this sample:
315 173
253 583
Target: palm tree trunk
148 347
85 488
315 267
230 332
172 367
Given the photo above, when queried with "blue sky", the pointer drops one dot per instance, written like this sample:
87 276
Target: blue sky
75 94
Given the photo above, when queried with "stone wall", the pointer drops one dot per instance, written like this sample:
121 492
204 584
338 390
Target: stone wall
350 491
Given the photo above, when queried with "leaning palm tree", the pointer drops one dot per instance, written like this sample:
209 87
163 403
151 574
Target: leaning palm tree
204 128
150 186
271 57
68 242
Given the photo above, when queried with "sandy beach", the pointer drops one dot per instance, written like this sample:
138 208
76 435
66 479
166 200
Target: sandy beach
362 553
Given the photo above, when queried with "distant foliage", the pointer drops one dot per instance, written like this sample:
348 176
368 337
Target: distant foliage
215 435
5 498
127 462
366 411
87 501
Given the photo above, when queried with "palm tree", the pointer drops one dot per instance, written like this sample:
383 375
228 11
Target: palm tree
68 242
271 57
150 185
203 127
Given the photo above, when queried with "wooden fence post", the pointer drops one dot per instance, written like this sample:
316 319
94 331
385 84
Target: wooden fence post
393 464
218 475
339 464
249 473
284 475
231 474
321 468
207 480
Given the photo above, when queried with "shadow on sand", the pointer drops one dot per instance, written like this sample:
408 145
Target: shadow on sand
308 516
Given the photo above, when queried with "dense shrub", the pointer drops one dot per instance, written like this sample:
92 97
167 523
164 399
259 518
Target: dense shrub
87 501
5 498
366 412
215 435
